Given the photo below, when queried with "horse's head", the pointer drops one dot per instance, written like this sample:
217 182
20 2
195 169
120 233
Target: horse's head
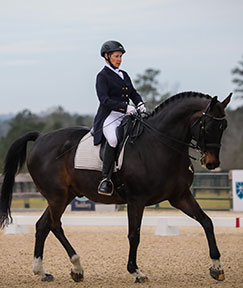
207 130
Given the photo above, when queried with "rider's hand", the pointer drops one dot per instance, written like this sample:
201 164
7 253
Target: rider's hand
141 107
131 109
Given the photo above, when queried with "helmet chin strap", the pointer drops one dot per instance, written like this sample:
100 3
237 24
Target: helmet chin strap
109 61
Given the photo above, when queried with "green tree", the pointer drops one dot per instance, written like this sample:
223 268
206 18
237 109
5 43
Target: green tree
238 79
150 88
84 120
23 122
57 118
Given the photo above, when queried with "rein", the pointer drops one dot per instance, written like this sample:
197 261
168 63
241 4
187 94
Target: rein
161 135
200 120
201 138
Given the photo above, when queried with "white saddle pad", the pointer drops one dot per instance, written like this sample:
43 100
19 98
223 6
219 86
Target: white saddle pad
87 155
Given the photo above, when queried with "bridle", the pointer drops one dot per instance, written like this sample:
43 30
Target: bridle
200 144
201 138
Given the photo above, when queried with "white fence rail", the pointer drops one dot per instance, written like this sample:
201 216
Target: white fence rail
165 226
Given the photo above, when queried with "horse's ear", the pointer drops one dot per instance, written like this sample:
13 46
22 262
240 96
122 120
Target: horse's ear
213 102
226 100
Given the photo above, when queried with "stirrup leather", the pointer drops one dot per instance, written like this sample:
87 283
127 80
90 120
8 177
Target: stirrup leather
112 187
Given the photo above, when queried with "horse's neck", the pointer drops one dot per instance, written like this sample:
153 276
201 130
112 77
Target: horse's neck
175 119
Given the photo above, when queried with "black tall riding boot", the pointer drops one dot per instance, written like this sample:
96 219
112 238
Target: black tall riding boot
106 185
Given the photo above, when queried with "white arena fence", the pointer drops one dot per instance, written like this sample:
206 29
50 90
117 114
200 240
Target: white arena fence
217 184
164 226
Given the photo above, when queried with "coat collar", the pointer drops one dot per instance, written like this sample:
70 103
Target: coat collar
114 75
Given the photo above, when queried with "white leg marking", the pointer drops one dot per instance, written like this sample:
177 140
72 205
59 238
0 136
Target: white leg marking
217 265
77 268
38 268
139 276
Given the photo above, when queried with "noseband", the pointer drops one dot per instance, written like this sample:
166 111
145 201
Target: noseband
201 121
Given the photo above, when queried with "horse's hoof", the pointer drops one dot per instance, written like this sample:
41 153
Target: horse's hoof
217 274
77 277
141 279
47 278
139 276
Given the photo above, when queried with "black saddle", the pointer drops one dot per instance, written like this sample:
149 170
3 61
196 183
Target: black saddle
129 130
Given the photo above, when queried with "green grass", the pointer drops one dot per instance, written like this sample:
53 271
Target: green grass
219 201
37 203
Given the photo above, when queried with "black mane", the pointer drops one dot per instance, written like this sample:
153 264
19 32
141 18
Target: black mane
179 96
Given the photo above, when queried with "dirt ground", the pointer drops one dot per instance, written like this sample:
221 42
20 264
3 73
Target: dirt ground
168 261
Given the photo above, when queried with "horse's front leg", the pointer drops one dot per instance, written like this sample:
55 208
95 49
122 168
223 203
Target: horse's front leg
135 214
190 206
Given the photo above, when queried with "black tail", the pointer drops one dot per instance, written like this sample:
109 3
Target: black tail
14 161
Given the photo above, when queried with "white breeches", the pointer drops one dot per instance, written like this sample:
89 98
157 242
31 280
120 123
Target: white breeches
109 127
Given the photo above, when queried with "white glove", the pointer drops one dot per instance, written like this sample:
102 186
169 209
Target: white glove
141 107
131 109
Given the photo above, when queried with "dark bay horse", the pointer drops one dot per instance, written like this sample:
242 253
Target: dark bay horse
156 167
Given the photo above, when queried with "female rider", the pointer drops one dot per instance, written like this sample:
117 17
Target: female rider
114 90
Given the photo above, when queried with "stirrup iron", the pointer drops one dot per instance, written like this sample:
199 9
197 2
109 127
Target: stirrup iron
112 187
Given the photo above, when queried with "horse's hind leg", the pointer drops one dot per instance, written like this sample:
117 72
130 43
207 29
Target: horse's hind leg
42 230
56 212
190 206
50 221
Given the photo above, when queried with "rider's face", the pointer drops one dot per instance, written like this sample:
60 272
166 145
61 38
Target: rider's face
116 58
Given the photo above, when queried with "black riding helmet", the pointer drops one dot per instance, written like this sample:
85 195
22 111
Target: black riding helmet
111 46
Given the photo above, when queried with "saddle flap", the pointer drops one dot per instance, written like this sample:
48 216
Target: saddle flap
130 128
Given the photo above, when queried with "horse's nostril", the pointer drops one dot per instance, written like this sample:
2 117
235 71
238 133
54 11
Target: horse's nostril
212 165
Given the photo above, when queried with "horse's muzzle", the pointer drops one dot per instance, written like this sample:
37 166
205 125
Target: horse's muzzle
211 161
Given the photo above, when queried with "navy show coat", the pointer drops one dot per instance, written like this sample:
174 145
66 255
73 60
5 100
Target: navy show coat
114 94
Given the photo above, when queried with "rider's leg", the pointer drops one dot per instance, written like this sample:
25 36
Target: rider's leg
109 131
106 185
